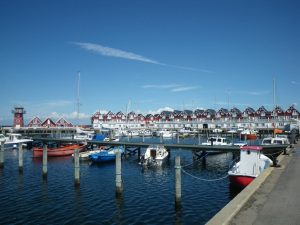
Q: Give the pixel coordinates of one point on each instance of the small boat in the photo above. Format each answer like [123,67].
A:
[249,134]
[165,133]
[105,155]
[111,139]
[2,138]
[216,141]
[85,154]
[154,155]
[13,140]
[64,150]
[252,163]
[277,140]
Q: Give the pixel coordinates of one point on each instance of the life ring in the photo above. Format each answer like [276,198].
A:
[102,147]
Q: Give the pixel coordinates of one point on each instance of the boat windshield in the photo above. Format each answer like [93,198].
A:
[267,141]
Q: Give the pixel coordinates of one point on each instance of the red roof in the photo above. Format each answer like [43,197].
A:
[253,148]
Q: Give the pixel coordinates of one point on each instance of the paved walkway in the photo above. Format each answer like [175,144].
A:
[277,201]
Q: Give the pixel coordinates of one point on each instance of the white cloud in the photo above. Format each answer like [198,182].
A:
[113,52]
[183,88]
[57,103]
[171,87]
[160,110]
[118,53]
[256,93]
[72,115]
[161,86]
[191,69]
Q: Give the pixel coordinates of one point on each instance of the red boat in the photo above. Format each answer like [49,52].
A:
[64,150]
[252,163]
[249,135]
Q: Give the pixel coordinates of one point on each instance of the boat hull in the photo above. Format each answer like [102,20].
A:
[102,157]
[54,152]
[240,180]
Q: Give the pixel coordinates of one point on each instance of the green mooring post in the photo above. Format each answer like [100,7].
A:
[76,168]
[20,158]
[177,182]
[119,186]
[2,155]
[45,161]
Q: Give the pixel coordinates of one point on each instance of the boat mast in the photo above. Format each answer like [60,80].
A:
[274,94]
[127,110]
[78,102]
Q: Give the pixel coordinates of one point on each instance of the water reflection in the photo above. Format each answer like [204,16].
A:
[234,191]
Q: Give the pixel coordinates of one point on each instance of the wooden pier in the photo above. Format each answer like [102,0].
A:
[132,147]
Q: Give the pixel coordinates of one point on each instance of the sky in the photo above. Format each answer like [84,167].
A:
[147,56]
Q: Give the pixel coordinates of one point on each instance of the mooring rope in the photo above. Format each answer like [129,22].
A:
[208,180]
[195,161]
[202,179]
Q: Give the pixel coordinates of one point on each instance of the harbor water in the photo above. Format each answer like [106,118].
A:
[148,196]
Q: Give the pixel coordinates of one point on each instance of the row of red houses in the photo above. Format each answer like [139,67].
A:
[177,116]
[48,123]
[199,114]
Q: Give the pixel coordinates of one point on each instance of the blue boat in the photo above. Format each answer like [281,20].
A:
[105,155]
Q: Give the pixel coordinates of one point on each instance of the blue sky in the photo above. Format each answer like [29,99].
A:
[153,54]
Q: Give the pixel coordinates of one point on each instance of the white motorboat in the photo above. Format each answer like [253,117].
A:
[2,138]
[216,141]
[111,139]
[252,163]
[165,133]
[145,133]
[277,140]
[83,135]
[85,155]
[154,155]
[13,140]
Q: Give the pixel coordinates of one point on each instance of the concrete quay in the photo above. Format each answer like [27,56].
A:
[272,198]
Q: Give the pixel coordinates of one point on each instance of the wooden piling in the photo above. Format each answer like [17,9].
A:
[119,186]
[20,158]
[45,161]
[76,168]
[2,155]
[177,182]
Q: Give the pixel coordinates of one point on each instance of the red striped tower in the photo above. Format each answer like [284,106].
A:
[18,112]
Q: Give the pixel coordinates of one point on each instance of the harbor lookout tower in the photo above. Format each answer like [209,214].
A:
[18,112]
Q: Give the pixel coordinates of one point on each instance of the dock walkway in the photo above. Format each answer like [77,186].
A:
[276,200]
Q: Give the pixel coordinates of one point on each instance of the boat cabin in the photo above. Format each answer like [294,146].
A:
[278,140]
[251,162]
[13,137]
[216,141]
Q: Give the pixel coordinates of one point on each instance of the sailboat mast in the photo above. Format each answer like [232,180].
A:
[274,94]
[78,102]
